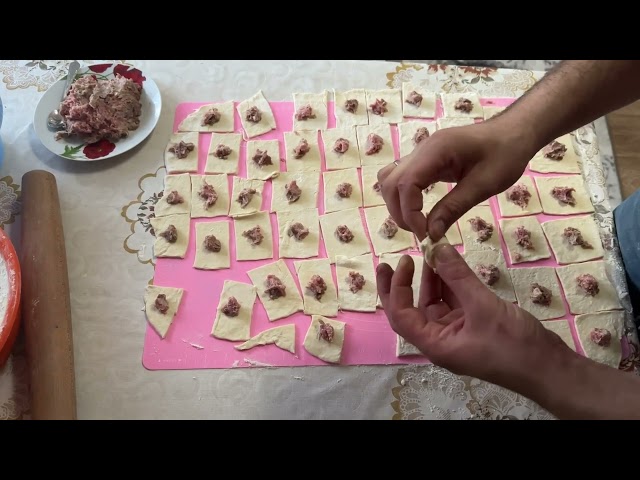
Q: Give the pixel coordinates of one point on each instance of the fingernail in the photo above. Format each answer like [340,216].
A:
[438,229]
[445,253]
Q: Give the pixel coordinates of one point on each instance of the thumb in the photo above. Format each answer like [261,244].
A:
[456,274]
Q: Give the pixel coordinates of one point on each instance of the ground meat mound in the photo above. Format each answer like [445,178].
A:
[588,283]
[245,196]
[489,274]
[564,195]
[253,115]
[292,191]
[301,149]
[254,235]
[421,134]
[540,295]
[305,112]
[341,145]
[574,237]
[344,190]
[262,158]
[298,231]
[170,234]
[211,117]
[464,105]
[317,286]
[161,303]
[414,98]
[389,228]
[325,332]
[275,287]
[344,234]
[174,198]
[208,194]
[232,308]
[482,228]
[601,337]
[554,151]
[379,107]
[519,194]
[374,144]
[355,281]
[351,105]
[101,109]
[212,244]
[523,238]
[181,149]
[222,151]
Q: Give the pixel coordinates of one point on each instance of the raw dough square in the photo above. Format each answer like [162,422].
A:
[393,97]
[220,184]
[318,102]
[565,252]
[289,246]
[272,147]
[503,288]
[569,164]
[181,184]
[386,154]
[402,240]
[351,218]
[452,122]
[369,175]
[280,307]
[449,102]
[348,119]
[363,300]
[406,132]
[551,206]
[227,165]
[283,337]
[348,159]
[329,352]
[162,248]
[238,327]
[579,302]
[612,321]
[328,303]
[522,279]
[510,209]
[162,321]
[310,161]
[244,249]
[491,111]
[239,184]
[266,124]
[470,238]
[405,349]
[540,248]
[309,183]
[562,329]
[433,195]
[206,259]
[189,164]
[331,180]
[193,121]
[427,108]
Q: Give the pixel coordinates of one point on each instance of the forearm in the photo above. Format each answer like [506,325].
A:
[571,95]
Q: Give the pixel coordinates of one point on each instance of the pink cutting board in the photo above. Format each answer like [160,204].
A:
[369,339]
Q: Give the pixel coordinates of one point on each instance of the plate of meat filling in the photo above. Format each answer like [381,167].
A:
[109,109]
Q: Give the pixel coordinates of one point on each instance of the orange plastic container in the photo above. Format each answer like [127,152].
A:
[11,320]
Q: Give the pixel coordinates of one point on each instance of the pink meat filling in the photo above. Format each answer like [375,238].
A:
[601,337]
[341,145]
[275,287]
[574,237]
[232,308]
[564,195]
[301,149]
[414,98]
[589,284]
[356,281]
[519,194]
[379,107]
[305,113]
[523,238]
[482,228]
[489,274]
[374,144]
[540,295]
[554,151]
[317,286]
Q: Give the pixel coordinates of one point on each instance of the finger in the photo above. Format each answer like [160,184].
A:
[385,171]
[430,288]
[383,280]
[450,298]
[437,312]
[389,189]
[458,277]
[401,289]
[410,195]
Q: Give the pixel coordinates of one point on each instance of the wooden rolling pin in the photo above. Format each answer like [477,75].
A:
[46,309]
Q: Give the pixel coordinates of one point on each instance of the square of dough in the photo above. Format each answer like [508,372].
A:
[563,330]
[364,300]
[348,119]
[331,180]
[386,155]
[565,252]
[612,321]
[503,288]
[351,218]
[402,240]
[310,161]
[540,248]
[522,279]
[452,122]
[449,101]
[244,249]
[491,111]
[328,303]
[193,121]
[188,164]
[434,194]
[510,209]
[305,248]
[369,176]
[283,337]
[329,352]
[427,108]
[206,259]
[405,349]
[579,302]
[393,97]
[280,307]
[309,183]
[161,321]
[335,160]
[392,259]
[318,103]
[220,184]
[178,183]
[551,206]
[239,184]
[568,164]
[266,123]
[238,327]
[162,248]
[470,238]
[230,164]
[272,147]
[406,132]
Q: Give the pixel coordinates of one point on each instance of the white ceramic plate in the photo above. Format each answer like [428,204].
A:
[74,149]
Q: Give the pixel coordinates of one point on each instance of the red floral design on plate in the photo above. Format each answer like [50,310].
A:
[101,68]
[99,149]
[134,74]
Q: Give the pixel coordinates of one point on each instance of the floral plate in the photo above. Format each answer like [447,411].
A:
[74,149]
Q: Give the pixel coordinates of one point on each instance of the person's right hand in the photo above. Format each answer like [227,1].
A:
[485,159]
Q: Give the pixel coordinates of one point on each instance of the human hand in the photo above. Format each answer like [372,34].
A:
[485,159]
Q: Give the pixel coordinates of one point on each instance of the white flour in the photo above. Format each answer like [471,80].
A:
[4,292]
